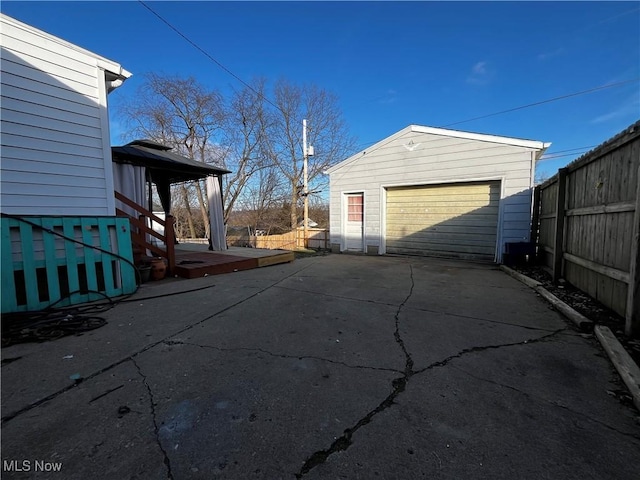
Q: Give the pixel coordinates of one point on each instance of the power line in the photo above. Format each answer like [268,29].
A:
[541,102]
[555,99]
[567,153]
[205,53]
[576,148]
[562,155]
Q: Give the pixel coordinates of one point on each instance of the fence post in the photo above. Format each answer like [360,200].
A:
[632,313]
[558,244]
[535,220]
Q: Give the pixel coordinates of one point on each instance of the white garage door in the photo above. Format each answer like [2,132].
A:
[454,220]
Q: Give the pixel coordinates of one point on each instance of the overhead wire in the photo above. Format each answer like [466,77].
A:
[534,104]
[206,54]
[567,153]
[54,322]
[555,99]
[365,145]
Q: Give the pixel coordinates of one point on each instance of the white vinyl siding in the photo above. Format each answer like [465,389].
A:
[413,157]
[56,158]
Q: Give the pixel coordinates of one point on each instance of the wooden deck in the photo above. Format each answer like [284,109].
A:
[195,260]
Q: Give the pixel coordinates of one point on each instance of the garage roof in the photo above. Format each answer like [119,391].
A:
[516,142]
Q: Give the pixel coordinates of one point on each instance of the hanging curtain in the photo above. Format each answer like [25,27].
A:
[130,180]
[163,187]
[218,239]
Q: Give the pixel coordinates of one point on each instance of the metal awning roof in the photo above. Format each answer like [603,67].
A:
[165,166]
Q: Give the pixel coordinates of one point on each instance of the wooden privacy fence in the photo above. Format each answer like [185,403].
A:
[48,260]
[589,224]
[285,241]
[317,238]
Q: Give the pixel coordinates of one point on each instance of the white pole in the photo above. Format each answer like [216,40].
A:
[306,183]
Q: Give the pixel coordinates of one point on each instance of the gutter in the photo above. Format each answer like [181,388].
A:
[115,79]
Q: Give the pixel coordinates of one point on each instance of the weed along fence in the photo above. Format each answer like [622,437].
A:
[48,260]
[317,238]
[589,224]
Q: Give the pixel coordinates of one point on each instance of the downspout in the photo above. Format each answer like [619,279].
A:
[532,183]
[535,156]
[113,84]
[108,81]
[113,79]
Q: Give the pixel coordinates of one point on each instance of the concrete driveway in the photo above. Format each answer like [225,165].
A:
[331,367]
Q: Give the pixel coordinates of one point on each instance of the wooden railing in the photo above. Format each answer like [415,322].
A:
[140,231]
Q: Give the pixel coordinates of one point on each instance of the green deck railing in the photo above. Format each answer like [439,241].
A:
[64,261]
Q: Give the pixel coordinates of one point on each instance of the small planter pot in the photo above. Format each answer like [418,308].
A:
[145,273]
[158,269]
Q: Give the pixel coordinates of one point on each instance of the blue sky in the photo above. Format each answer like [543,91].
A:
[391,64]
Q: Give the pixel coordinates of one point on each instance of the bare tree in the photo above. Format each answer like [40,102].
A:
[246,130]
[319,211]
[262,202]
[327,133]
[185,115]
[541,177]
[257,139]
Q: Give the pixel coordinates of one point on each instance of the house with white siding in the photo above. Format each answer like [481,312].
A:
[56,151]
[57,184]
[434,192]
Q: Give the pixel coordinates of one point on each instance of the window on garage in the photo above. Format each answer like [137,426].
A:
[356,208]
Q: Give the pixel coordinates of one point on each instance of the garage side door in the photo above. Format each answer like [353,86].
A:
[454,220]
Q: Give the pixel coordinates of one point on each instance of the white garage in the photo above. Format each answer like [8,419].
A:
[434,192]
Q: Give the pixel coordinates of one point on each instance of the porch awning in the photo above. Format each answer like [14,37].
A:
[165,166]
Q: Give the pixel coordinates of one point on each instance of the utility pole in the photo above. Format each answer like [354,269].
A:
[307,152]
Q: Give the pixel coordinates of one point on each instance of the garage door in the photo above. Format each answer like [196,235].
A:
[455,220]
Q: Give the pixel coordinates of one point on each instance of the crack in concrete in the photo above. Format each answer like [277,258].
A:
[344,441]
[156,430]
[281,355]
[549,402]
[37,403]
[466,351]
[488,320]
[417,309]
[111,390]
[340,297]
[399,384]
[408,369]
